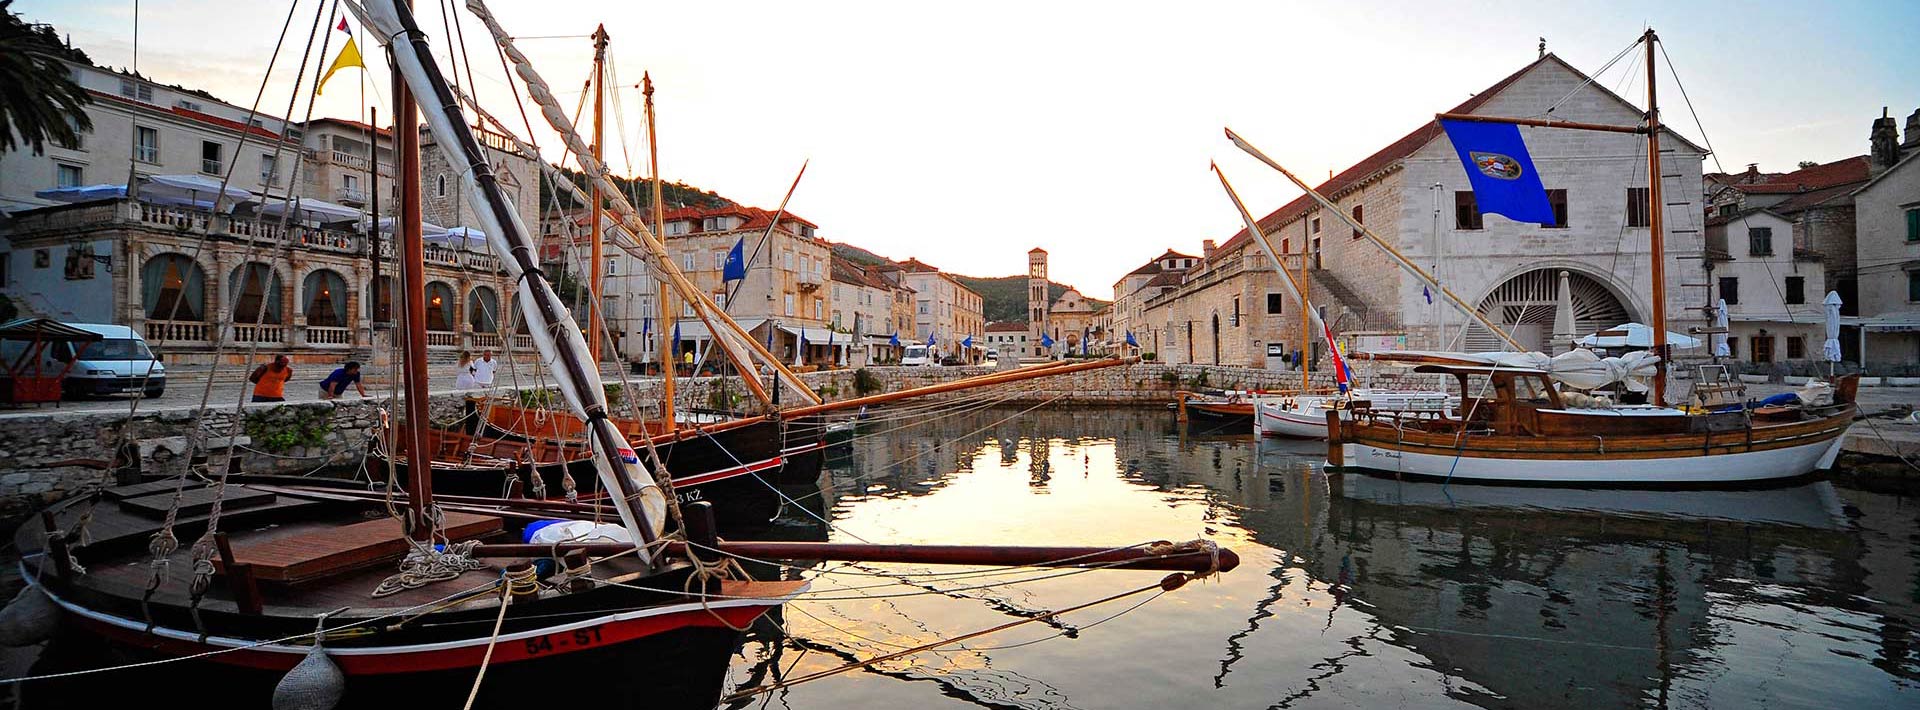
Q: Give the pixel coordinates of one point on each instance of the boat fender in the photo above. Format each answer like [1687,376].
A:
[30,618]
[316,683]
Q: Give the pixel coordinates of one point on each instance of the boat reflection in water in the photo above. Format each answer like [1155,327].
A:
[1377,593]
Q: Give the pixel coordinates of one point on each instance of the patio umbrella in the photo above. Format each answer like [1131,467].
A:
[192,187]
[1720,348]
[1831,348]
[111,191]
[323,210]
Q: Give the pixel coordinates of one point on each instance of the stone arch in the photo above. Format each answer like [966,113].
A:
[323,298]
[441,306]
[1525,301]
[173,286]
[483,310]
[254,294]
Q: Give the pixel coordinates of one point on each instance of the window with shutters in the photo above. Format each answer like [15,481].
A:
[1557,199]
[1913,224]
[1637,208]
[1466,211]
[1760,241]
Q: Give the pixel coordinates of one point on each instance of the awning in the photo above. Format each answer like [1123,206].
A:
[428,229]
[694,329]
[820,336]
[1637,336]
[89,193]
[461,236]
[1902,322]
[324,210]
[44,329]
[198,187]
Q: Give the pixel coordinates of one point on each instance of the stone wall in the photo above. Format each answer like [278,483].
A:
[47,456]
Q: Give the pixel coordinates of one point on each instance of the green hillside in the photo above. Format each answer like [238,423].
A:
[638,191]
[1003,298]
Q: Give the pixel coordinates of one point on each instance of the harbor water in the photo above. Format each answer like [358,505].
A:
[1354,591]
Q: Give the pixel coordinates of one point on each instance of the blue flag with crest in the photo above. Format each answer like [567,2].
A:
[736,266]
[1504,181]
[1130,341]
[895,340]
[1046,341]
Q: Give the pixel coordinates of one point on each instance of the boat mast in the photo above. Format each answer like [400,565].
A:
[1656,247]
[659,212]
[594,328]
[412,261]
[1306,311]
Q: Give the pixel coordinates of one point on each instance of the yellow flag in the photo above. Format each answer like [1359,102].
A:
[349,57]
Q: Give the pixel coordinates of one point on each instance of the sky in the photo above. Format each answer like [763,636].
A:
[964,134]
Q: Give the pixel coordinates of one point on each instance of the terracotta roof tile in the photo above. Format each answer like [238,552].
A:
[192,115]
[1007,327]
[1846,171]
[754,217]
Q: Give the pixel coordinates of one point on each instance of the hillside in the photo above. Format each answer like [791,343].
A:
[1004,298]
[638,191]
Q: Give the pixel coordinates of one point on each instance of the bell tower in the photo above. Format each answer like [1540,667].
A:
[1036,301]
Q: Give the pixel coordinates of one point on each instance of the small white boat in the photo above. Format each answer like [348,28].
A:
[1304,416]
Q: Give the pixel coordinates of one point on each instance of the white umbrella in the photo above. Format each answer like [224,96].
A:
[195,187]
[428,229]
[326,211]
[1637,336]
[1720,348]
[1831,348]
[88,193]
[461,236]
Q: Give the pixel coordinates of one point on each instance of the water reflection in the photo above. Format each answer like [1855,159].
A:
[1354,591]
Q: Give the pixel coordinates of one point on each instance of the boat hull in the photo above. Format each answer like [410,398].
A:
[1790,456]
[1276,420]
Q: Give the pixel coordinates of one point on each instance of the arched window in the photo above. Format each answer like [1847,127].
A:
[324,299]
[255,293]
[440,306]
[483,310]
[173,287]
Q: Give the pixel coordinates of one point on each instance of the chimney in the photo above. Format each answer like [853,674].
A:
[1913,131]
[1206,249]
[1884,143]
[1753,173]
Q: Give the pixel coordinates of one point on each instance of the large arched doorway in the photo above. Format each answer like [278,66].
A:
[1528,307]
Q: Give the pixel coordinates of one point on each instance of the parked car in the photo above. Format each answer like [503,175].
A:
[992,359]
[919,355]
[119,362]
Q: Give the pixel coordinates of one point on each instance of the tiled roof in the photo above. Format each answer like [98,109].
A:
[915,266]
[849,272]
[1170,278]
[192,115]
[754,217]
[1846,171]
[1007,327]
[1814,198]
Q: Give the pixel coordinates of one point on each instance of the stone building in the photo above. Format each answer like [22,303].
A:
[1071,319]
[1009,339]
[1038,301]
[1773,289]
[1415,195]
[1887,236]
[944,309]
[863,306]
[784,298]
[1127,313]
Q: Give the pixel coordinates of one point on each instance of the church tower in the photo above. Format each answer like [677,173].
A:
[1036,300]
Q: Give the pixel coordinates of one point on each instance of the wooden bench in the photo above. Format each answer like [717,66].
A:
[320,553]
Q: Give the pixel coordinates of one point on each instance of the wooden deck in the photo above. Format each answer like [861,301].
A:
[325,552]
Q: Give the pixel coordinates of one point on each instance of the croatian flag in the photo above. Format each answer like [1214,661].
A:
[1341,375]
[1504,181]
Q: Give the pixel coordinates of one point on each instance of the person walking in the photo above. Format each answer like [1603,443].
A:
[463,378]
[336,383]
[483,369]
[270,381]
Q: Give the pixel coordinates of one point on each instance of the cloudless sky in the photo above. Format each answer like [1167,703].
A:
[965,134]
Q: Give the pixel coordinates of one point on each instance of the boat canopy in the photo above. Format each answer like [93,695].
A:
[1578,368]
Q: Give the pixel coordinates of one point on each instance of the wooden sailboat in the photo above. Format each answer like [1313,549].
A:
[1518,421]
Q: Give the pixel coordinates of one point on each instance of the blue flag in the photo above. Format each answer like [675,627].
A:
[929,340]
[736,267]
[968,343]
[1046,341]
[1504,181]
[676,336]
[1086,334]
[803,336]
[1131,341]
[1428,294]
[646,326]
[895,340]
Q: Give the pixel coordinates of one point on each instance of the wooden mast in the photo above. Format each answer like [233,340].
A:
[413,257]
[595,329]
[1306,317]
[668,360]
[1656,247]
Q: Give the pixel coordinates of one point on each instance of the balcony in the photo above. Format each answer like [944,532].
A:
[442,339]
[809,280]
[328,336]
[346,161]
[176,332]
[132,213]
[350,196]
[210,167]
[267,333]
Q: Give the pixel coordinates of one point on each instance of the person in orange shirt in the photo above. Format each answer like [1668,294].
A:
[270,381]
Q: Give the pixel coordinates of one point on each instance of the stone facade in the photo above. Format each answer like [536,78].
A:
[1773,289]
[1887,220]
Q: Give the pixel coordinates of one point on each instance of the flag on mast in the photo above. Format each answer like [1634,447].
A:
[1504,181]
[349,57]
[736,267]
[1341,375]
[1130,341]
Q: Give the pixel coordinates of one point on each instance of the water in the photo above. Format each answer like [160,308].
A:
[1353,591]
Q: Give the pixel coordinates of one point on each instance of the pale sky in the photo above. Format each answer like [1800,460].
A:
[964,134]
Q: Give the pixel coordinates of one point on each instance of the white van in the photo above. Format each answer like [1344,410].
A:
[919,355]
[118,362]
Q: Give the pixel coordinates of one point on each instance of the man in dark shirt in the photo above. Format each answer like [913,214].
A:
[336,384]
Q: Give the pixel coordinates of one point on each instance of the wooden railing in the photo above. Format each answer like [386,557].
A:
[176,332]
[328,335]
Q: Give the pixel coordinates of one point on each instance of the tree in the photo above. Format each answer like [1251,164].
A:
[37,92]
[1804,164]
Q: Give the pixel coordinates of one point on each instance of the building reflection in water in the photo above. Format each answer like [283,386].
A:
[1351,585]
